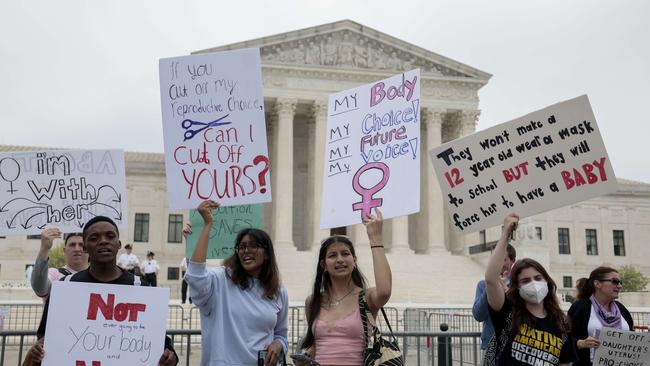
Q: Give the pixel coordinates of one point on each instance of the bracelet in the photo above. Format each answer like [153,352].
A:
[376,246]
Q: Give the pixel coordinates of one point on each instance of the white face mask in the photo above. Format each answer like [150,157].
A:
[534,291]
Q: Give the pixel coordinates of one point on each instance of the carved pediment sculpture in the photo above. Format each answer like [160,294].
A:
[346,49]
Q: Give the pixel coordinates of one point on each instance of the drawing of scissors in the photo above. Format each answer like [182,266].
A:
[187,123]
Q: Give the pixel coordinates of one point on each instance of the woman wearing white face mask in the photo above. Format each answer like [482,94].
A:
[530,328]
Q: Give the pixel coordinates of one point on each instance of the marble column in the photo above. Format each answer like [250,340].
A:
[399,240]
[433,207]
[283,208]
[319,121]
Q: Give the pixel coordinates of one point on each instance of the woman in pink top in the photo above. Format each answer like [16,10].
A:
[335,332]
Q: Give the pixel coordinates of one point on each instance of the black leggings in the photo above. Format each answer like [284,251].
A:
[151,279]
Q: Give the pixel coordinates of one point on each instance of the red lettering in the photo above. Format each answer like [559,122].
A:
[578,177]
[591,177]
[191,183]
[601,168]
[83,363]
[377,94]
[508,176]
[198,181]
[176,156]
[97,303]
[135,309]
[568,182]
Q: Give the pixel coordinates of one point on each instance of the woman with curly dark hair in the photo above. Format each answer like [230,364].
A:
[530,328]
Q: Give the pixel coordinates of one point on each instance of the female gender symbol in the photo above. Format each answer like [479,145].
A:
[7,171]
[367,201]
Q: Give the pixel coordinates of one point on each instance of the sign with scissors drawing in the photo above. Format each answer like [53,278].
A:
[372,154]
[214,129]
[62,188]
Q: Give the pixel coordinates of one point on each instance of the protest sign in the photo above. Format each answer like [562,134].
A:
[622,347]
[544,160]
[214,129]
[62,188]
[101,324]
[372,153]
[228,221]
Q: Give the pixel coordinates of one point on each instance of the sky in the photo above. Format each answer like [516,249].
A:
[84,74]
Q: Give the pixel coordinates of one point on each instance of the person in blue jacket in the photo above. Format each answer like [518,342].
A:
[481,308]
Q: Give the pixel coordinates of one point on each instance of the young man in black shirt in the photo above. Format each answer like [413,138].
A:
[102,242]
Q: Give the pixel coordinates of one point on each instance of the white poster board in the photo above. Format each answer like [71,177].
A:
[214,129]
[372,151]
[61,188]
[544,160]
[621,347]
[112,324]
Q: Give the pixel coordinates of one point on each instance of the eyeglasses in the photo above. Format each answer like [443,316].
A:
[250,246]
[614,281]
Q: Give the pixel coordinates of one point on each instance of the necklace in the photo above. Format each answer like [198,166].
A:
[338,301]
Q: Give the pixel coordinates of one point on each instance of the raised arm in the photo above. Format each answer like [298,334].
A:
[493,286]
[41,284]
[201,284]
[378,296]
[201,250]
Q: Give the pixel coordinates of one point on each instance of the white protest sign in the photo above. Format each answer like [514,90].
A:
[62,188]
[372,151]
[544,160]
[214,129]
[621,347]
[102,324]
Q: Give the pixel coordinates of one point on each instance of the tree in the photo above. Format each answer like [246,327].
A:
[57,258]
[633,280]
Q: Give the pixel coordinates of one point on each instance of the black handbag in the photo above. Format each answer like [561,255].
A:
[384,352]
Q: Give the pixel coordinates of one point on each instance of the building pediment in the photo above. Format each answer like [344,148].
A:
[347,45]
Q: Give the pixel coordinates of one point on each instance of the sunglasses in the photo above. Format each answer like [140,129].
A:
[614,281]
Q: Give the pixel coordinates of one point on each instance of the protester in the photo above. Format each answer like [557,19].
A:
[76,259]
[530,328]
[183,267]
[128,260]
[481,309]
[244,308]
[101,238]
[597,308]
[334,326]
[150,268]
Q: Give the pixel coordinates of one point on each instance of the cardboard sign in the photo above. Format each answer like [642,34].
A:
[372,153]
[105,325]
[63,188]
[214,129]
[621,347]
[544,160]
[228,221]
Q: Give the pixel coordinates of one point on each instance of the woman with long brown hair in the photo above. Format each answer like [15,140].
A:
[597,308]
[335,333]
[529,325]
[244,308]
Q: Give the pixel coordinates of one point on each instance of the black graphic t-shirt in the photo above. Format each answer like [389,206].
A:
[538,344]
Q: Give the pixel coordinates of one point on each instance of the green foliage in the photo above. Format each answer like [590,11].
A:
[633,280]
[569,298]
[57,258]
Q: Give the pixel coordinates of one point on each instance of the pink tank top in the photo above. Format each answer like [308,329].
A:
[339,342]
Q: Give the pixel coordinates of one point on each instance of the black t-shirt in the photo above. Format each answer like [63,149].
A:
[125,278]
[540,343]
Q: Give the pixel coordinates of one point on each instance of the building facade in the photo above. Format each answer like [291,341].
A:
[300,69]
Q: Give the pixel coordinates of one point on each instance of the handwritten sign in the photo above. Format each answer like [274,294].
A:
[547,159]
[63,188]
[214,129]
[228,221]
[372,154]
[621,347]
[105,324]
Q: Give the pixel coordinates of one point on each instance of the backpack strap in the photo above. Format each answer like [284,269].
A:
[64,271]
[363,311]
